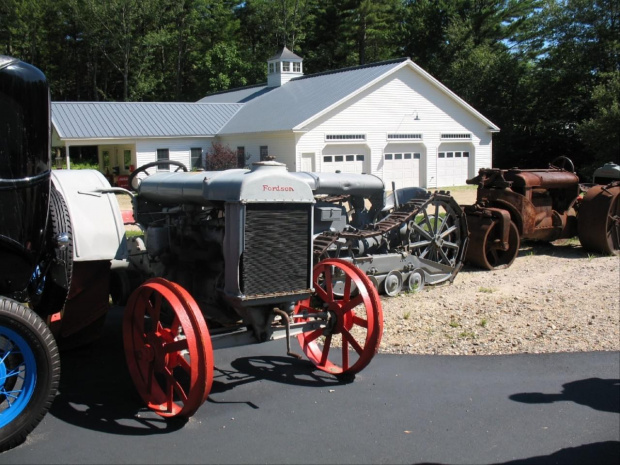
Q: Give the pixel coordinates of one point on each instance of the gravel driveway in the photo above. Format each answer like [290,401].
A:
[553,298]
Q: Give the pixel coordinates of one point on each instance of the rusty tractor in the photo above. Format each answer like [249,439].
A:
[539,205]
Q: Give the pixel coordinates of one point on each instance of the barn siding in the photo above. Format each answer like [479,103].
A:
[280,145]
[179,149]
[391,106]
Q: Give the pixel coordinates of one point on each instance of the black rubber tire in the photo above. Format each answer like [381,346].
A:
[39,338]
[54,296]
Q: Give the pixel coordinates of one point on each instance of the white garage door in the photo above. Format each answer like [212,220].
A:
[351,163]
[401,168]
[452,168]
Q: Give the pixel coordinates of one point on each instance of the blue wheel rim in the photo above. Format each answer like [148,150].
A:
[18,375]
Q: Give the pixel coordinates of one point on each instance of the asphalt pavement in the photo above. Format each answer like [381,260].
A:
[266,407]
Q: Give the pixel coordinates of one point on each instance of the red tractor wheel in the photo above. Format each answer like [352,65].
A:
[168,348]
[354,318]
[598,222]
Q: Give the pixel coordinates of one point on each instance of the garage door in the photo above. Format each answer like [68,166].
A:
[452,168]
[351,163]
[403,169]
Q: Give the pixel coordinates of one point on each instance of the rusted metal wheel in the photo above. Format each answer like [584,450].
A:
[168,348]
[485,245]
[598,223]
[354,319]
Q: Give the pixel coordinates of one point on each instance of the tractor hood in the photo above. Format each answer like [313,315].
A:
[266,182]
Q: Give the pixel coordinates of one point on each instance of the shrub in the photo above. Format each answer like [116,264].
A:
[221,157]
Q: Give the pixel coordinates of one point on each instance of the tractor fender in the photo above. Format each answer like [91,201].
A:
[98,229]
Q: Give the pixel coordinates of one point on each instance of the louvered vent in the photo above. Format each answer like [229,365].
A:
[277,249]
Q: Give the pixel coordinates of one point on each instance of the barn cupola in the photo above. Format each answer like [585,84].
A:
[282,67]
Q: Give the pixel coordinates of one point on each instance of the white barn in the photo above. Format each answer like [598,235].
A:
[391,119]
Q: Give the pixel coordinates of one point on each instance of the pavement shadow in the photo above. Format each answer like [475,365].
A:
[278,369]
[600,453]
[599,394]
[96,391]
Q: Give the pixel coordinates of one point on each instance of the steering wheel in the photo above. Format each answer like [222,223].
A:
[143,169]
[562,162]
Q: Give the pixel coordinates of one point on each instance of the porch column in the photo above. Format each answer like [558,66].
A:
[67,155]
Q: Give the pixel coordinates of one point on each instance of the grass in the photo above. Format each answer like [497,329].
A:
[467,335]
[136,233]
[486,290]
[454,324]
[483,323]
[407,315]
[81,166]
[458,188]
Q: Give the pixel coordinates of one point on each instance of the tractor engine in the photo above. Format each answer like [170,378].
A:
[239,241]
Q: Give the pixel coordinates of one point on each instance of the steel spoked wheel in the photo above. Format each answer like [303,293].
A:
[438,233]
[354,319]
[485,249]
[29,372]
[599,219]
[168,348]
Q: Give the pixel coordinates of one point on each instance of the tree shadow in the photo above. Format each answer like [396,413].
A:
[599,394]
[600,453]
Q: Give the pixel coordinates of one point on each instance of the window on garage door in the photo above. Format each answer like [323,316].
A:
[452,168]
[402,169]
[346,163]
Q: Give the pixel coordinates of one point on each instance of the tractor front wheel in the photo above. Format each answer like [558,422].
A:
[168,348]
[354,319]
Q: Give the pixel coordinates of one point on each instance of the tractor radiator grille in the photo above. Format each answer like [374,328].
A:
[277,251]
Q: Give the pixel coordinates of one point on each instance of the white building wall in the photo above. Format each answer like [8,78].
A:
[279,145]
[405,103]
[178,149]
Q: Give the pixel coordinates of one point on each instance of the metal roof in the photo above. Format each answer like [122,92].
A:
[100,120]
[239,95]
[284,54]
[302,98]
[246,110]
